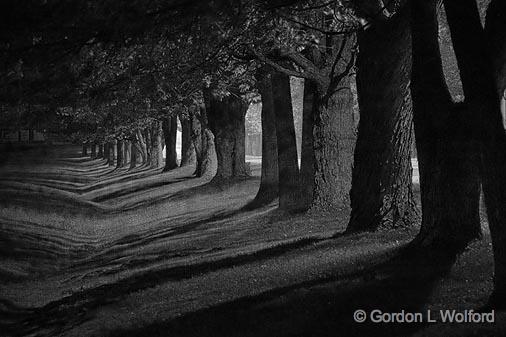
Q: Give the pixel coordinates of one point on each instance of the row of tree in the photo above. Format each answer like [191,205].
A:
[126,73]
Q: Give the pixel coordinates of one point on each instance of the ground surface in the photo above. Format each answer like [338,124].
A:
[89,250]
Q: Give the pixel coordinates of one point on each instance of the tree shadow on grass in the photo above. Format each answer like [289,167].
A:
[322,307]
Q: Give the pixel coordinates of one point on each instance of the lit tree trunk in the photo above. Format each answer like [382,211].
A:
[156,154]
[142,146]
[119,153]
[203,142]
[170,133]
[187,148]
[288,167]
[381,193]
[334,141]
[447,153]
[269,180]
[227,123]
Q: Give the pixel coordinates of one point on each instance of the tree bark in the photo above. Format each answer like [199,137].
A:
[170,133]
[269,181]
[142,147]
[481,56]
[288,167]
[333,145]
[187,148]
[156,153]
[203,142]
[447,158]
[381,193]
[307,165]
[227,123]
[494,147]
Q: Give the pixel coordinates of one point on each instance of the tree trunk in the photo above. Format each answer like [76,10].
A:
[187,148]
[381,193]
[84,151]
[119,153]
[100,153]
[170,134]
[288,166]
[93,148]
[133,154]
[203,142]
[494,148]
[447,157]
[127,158]
[114,152]
[142,147]
[107,153]
[227,123]
[156,153]
[307,152]
[269,180]
[481,56]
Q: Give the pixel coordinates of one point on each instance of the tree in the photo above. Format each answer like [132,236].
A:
[170,132]
[269,181]
[226,120]
[381,193]
[447,152]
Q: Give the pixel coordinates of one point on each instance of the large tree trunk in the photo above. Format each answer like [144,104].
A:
[227,123]
[187,148]
[170,133]
[156,153]
[288,167]
[482,63]
[307,152]
[447,156]
[269,180]
[203,142]
[381,193]
[333,145]
[494,148]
